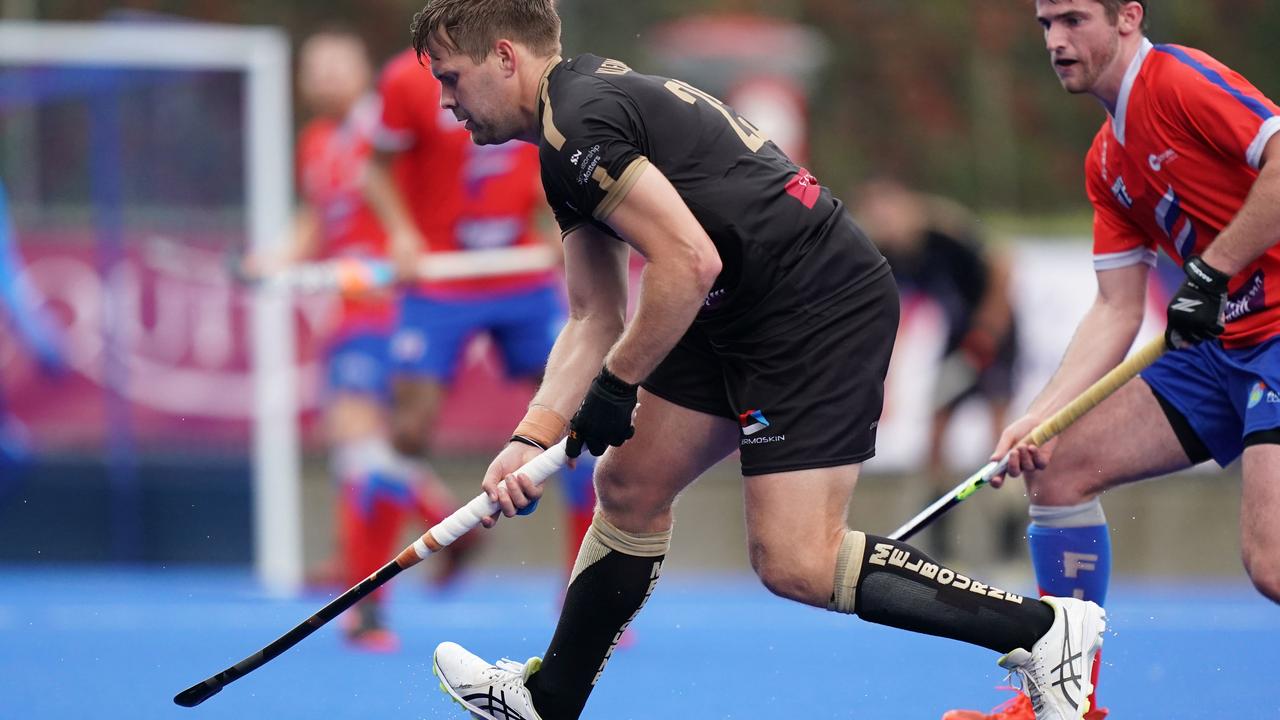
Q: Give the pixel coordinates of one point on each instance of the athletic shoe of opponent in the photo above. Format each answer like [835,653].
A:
[365,630]
[1017,707]
[495,692]
[1055,674]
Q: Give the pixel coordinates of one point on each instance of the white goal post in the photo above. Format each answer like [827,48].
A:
[263,55]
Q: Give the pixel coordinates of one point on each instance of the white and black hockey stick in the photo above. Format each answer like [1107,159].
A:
[360,275]
[1045,431]
[432,541]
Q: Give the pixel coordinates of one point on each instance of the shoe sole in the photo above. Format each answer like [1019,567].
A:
[1095,627]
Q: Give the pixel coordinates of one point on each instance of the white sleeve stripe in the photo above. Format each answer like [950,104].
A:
[1113,261]
[1269,128]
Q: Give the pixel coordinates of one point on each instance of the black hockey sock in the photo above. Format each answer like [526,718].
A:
[901,587]
[613,576]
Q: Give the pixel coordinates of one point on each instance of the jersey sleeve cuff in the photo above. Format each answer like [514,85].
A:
[616,190]
[1113,261]
[1259,144]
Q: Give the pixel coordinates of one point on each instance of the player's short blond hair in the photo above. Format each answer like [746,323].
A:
[1113,9]
[473,26]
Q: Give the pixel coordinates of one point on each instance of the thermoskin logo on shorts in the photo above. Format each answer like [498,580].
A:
[752,422]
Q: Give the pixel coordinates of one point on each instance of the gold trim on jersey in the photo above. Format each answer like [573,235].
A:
[613,67]
[549,129]
[616,190]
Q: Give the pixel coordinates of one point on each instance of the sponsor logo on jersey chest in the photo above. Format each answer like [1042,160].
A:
[1158,161]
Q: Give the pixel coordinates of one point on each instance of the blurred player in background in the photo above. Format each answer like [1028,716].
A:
[21,306]
[438,192]
[764,324]
[1187,161]
[377,487]
[936,250]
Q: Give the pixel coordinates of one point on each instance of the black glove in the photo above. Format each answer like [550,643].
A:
[1198,309]
[604,418]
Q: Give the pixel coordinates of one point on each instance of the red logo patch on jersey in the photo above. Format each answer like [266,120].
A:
[804,187]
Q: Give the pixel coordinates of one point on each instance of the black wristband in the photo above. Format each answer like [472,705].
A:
[613,383]
[1205,275]
[527,441]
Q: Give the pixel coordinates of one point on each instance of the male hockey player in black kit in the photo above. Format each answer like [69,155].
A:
[765,323]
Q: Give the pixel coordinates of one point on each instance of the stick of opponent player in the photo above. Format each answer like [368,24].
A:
[1044,432]
[353,276]
[432,541]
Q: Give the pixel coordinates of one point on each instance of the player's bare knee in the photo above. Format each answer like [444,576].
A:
[1264,572]
[801,576]
[1070,483]
[626,498]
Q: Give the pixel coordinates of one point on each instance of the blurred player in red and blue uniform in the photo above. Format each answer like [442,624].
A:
[437,192]
[1186,162]
[377,487]
[35,331]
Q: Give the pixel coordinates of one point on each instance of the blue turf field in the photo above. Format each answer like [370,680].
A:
[107,643]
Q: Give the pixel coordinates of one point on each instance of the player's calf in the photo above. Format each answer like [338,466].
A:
[1050,644]
[615,573]
[891,583]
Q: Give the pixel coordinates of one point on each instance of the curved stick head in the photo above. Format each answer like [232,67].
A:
[198,693]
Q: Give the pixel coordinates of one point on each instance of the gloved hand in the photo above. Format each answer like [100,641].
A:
[604,418]
[1198,309]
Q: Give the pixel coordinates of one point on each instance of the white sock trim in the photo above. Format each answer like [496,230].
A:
[1086,514]
[848,569]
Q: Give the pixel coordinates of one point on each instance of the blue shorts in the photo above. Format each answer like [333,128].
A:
[1225,395]
[360,364]
[433,332]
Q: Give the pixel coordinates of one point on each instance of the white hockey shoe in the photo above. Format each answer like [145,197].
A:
[487,691]
[1057,673]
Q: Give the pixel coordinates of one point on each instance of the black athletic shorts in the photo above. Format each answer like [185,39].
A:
[806,386]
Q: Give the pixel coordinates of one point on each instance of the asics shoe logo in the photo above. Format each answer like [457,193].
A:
[1067,670]
[493,705]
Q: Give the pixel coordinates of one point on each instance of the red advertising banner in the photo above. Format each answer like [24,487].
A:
[158,339]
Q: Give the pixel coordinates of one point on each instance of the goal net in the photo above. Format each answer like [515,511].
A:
[149,405]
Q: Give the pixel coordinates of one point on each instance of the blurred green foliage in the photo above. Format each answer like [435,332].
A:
[955,96]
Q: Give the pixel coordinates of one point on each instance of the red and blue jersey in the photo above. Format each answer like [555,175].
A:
[1172,167]
[332,156]
[461,196]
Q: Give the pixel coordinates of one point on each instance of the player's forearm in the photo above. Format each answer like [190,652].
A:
[995,313]
[1103,337]
[382,195]
[671,294]
[1255,229]
[575,359]
[305,243]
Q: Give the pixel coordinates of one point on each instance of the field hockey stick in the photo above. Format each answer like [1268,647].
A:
[353,276]
[440,536]
[1043,433]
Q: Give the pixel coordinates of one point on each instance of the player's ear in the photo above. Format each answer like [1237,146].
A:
[505,51]
[1131,16]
